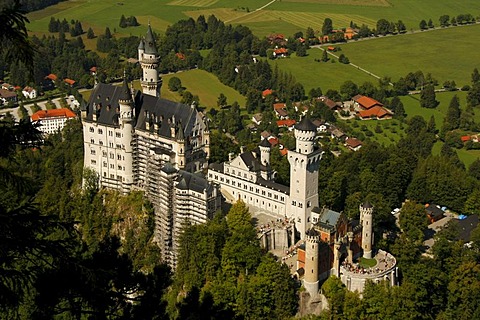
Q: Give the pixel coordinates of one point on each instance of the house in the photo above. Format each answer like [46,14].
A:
[321,126]
[280,110]
[280,53]
[257,118]
[336,133]
[465,138]
[332,105]
[29,92]
[365,103]
[7,96]
[70,82]
[51,77]
[266,92]
[7,86]
[265,135]
[93,71]
[284,152]
[277,38]
[353,144]
[287,123]
[434,212]
[52,121]
[375,112]
[273,141]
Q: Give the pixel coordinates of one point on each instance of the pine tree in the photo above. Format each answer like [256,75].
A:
[454,113]
[53,25]
[324,56]
[108,34]
[123,22]
[90,33]
[427,97]
[475,76]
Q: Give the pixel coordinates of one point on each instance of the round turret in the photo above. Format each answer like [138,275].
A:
[366,219]
[312,241]
[265,152]
[305,132]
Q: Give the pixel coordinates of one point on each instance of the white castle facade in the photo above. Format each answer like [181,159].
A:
[137,140]
[249,177]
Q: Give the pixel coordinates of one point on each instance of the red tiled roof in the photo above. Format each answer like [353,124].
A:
[267,92]
[28,89]
[284,151]
[93,69]
[69,81]
[282,112]
[51,76]
[465,138]
[367,102]
[273,141]
[281,51]
[7,94]
[329,103]
[180,56]
[286,123]
[60,113]
[377,111]
[353,142]
[277,106]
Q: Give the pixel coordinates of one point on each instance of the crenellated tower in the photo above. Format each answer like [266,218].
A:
[149,60]
[304,164]
[265,148]
[125,102]
[366,219]
[312,242]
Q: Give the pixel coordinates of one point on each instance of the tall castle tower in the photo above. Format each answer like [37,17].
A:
[125,102]
[265,147]
[304,163]
[366,218]
[149,59]
[310,282]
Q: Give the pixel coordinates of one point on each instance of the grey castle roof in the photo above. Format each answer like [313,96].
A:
[125,91]
[367,205]
[265,143]
[329,217]
[150,46]
[169,168]
[312,232]
[141,46]
[192,181]
[305,125]
[104,101]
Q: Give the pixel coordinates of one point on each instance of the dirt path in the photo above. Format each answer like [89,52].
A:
[249,13]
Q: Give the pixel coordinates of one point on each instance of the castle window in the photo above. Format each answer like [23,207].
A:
[118,134]
[282,198]
[91,129]
[112,176]
[93,161]
[119,146]
[92,141]
[112,166]
[119,157]
[104,174]
[263,192]
[104,164]
[92,151]
[309,204]
[312,257]
[104,153]
[110,133]
[100,142]
[300,205]
[100,131]
[112,156]
[269,194]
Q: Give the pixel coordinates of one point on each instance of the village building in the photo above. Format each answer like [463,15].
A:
[368,108]
[7,96]
[353,144]
[139,141]
[52,121]
[29,92]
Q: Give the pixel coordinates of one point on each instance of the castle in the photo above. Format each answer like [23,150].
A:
[249,177]
[329,242]
[139,141]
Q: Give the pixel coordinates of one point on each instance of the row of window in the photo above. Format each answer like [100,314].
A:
[110,132]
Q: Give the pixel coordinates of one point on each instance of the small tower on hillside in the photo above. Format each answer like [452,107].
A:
[149,59]
[366,217]
[310,281]
[265,147]
[206,140]
[125,102]
[304,164]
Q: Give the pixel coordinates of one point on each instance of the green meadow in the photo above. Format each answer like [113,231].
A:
[448,54]
[326,75]
[282,16]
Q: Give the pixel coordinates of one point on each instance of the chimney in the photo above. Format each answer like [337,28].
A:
[230,156]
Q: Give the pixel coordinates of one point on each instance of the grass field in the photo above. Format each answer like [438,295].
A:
[445,53]
[284,13]
[326,75]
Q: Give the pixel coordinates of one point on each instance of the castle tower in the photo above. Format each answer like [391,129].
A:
[206,140]
[304,163]
[181,147]
[265,147]
[310,281]
[149,59]
[336,257]
[125,102]
[366,214]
